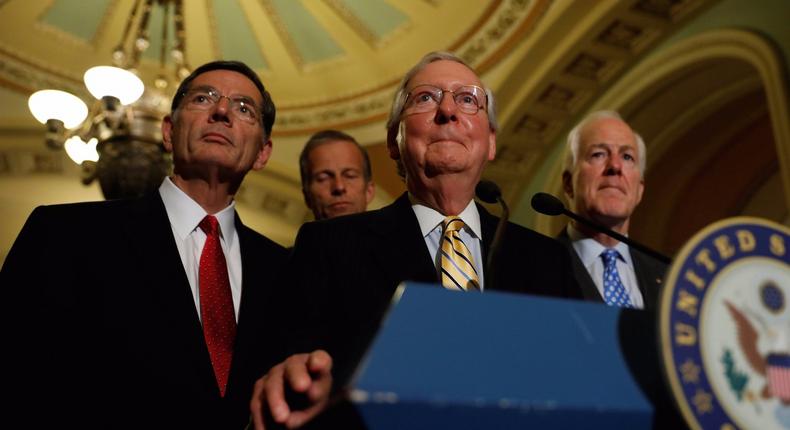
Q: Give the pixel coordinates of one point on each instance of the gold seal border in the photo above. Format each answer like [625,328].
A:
[665,307]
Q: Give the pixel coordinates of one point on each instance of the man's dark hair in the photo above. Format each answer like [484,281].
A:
[321,138]
[268,110]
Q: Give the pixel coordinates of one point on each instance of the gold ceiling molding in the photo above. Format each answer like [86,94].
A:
[732,44]
[346,114]
[359,27]
[25,78]
[500,27]
[213,29]
[282,31]
[513,21]
[611,43]
[267,199]
[24,161]
[685,56]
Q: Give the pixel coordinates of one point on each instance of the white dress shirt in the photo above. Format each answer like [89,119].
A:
[589,252]
[185,215]
[431,228]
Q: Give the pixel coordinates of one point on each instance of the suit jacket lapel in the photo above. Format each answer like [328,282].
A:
[151,237]
[648,276]
[398,244]
[253,286]
[488,225]
[589,290]
[250,277]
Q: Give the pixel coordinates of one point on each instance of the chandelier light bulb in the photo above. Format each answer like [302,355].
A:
[113,81]
[177,55]
[59,105]
[80,151]
[118,56]
[160,82]
[142,43]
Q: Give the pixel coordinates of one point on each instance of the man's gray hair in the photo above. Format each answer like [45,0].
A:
[400,95]
[574,138]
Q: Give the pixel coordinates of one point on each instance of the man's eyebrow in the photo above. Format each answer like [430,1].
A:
[245,99]
[242,97]
[202,88]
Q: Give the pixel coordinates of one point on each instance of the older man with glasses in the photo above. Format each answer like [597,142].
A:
[442,132]
[145,313]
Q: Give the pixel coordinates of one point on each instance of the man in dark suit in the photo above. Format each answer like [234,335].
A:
[145,313]
[442,132]
[603,179]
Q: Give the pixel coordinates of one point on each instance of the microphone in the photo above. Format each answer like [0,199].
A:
[548,204]
[489,192]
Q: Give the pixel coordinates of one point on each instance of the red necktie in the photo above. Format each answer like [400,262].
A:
[216,303]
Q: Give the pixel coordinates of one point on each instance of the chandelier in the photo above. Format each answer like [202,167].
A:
[118,140]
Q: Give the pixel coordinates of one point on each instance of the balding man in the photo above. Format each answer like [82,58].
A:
[441,132]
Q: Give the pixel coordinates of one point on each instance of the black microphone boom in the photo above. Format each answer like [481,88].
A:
[552,206]
[489,192]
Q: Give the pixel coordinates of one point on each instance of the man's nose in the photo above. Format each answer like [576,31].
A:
[338,186]
[221,110]
[614,165]
[447,110]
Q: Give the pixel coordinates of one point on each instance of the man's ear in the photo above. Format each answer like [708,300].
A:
[263,155]
[394,137]
[167,133]
[370,192]
[567,184]
[639,191]
[492,145]
[307,200]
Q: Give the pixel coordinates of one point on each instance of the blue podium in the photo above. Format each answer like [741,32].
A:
[445,359]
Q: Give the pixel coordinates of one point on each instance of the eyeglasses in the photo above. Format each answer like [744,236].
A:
[427,98]
[205,98]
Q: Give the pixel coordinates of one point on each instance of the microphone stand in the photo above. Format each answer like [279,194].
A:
[500,230]
[539,198]
[489,192]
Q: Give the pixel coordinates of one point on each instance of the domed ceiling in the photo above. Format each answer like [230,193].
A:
[326,62]
[335,64]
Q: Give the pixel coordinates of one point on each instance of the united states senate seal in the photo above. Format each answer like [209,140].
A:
[725,326]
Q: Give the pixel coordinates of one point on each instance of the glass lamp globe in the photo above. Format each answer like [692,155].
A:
[60,105]
[113,81]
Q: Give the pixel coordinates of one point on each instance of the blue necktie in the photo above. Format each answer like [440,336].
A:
[614,293]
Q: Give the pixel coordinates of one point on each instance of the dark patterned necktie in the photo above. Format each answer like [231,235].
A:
[216,303]
[457,265]
[613,289]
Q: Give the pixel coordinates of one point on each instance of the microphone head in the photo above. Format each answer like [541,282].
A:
[488,191]
[547,204]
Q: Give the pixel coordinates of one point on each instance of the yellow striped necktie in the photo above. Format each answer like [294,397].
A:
[457,265]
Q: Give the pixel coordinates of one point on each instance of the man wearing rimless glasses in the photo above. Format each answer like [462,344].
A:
[343,272]
[144,313]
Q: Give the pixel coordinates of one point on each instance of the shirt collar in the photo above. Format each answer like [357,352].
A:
[185,214]
[590,250]
[430,218]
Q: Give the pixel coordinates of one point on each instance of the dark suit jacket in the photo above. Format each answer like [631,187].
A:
[649,274]
[106,330]
[346,270]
